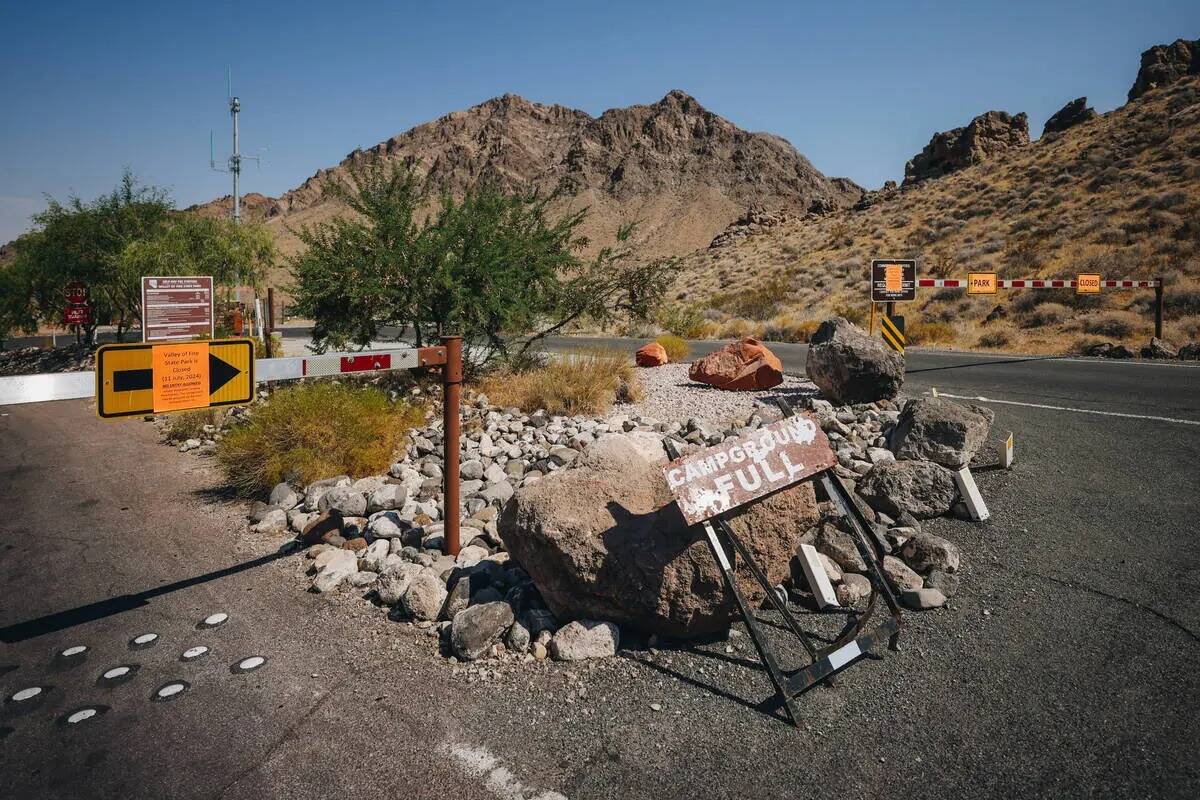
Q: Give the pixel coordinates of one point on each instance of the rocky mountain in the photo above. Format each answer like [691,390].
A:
[1073,113]
[680,169]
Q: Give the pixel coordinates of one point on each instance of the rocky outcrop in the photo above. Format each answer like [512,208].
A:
[739,366]
[985,136]
[1160,348]
[651,355]
[606,542]
[940,430]
[755,221]
[848,366]
[1166,63]
[1073,113]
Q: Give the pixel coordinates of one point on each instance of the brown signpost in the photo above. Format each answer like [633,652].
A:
[739,470]
[893,280]
[177,308]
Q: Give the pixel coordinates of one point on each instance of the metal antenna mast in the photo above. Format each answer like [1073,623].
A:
[235,160]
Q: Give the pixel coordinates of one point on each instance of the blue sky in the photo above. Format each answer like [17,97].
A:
[88,88]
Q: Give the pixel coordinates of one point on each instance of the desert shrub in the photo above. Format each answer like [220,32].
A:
[757,302]
[1114,324]
[313,431]
[737,329]
[190,424]
[1046,314]
[922,332]
[584,383]
[786,328]
[855,312]
[1181,302]
[677,349]
[686,320]
[994,339]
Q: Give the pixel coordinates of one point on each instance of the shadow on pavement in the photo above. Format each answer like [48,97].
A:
[62,620]
[984,364]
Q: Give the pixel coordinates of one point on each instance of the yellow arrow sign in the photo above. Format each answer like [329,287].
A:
[137,379]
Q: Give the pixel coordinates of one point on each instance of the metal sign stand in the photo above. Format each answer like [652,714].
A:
[825,662]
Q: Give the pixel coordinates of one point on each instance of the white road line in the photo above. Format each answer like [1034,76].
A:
[499,780]
[982,399]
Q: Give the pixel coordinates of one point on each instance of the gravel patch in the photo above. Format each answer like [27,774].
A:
[671,396]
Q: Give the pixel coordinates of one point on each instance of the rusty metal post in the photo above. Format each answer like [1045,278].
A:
[1158,307]
[452,375]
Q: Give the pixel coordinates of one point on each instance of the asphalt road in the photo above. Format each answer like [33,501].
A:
[1064,667]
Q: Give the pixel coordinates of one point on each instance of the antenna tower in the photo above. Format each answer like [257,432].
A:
[234,164]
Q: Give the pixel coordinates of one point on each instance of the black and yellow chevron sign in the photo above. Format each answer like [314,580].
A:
[893,333]
[137,379]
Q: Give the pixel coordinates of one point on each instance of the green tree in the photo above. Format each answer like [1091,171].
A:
[16,307]
[109,243]
[492,266]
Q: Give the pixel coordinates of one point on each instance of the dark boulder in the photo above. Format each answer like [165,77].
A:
[940,430]
[848,366]
[921,488]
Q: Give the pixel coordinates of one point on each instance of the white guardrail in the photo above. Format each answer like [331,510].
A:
[44,387]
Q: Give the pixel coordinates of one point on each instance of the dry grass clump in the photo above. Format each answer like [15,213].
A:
[1113,324]
[677,349]
[787,328]
[585,383]
[190,424]
[313,431]
[920,332]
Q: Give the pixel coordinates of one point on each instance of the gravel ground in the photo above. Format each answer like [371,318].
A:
[33,360]
[671,396]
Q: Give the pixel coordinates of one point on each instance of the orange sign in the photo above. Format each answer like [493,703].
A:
[981,283]
[893,277]
[1087,284]
[180,376]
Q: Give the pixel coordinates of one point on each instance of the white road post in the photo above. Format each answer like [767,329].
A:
[970,495]
[818,581]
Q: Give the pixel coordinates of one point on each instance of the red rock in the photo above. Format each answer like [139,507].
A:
[651,355]
[739,366]
[329,522]
[359,543]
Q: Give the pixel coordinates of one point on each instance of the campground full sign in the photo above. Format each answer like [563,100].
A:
[136,379]
[745,468]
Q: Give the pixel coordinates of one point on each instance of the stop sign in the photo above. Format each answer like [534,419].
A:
[77,293]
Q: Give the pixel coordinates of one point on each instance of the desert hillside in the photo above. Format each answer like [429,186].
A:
[681,170]
[1117,194]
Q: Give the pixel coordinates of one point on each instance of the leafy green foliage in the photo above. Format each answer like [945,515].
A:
[491,266]
[109,243]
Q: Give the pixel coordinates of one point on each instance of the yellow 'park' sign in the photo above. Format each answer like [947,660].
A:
[137,379]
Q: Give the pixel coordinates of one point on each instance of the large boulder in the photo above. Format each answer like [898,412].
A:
[477,628]
[921,488]
[848,366]
[1073,113]
[651,355]
[1166,63]
[988,134]
[1159,348]
[940,430]
[739,366]
[605,541]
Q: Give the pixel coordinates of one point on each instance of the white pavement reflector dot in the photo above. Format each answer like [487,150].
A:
[116,672]
[194,652]
[213,620]
[143,640]
[73,651]
[169,691]
[26,694]
[249,664]
[81,715]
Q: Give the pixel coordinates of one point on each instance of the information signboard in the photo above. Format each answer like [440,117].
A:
[1087,283]
[893,280]
[745,468]
[176,308]
[136,379]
